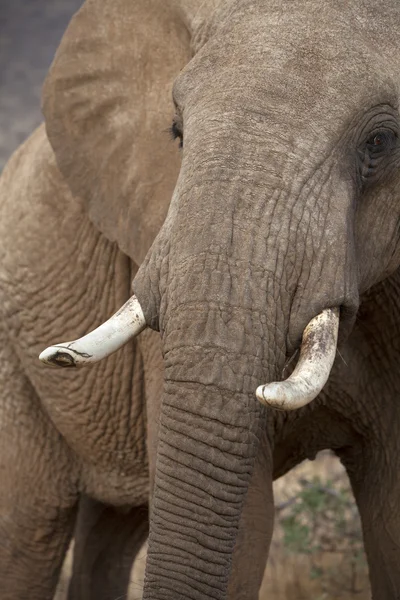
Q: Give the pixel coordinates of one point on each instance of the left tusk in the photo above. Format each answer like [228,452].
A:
[126,324]
[317,354]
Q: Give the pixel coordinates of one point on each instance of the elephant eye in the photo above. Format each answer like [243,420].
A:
[381,142]
[176,133]
[374,154]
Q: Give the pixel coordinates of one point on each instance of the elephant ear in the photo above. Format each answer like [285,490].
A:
[107,104]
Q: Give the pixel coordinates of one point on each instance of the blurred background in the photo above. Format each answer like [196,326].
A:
[30,31]
[317,551]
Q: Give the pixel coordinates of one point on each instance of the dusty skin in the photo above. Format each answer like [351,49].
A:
[282,203]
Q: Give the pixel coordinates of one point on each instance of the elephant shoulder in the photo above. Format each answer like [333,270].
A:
[37,208]
[31,182]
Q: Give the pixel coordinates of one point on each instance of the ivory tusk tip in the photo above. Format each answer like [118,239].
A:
[56,356]
[123,326]
[260,392]
[268,395]
[317,355]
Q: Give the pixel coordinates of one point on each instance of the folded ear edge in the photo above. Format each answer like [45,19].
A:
[107,104]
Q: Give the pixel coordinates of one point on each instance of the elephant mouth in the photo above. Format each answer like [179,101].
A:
[317,354]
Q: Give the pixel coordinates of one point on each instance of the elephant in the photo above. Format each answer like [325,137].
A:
[66,450]
[263,257]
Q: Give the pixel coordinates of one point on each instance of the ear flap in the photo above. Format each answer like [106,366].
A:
[107,103]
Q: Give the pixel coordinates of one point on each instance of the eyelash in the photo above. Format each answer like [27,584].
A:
[176,133]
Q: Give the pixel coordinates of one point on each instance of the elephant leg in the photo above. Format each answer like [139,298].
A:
[37,496]
[107,541]
[376,486]
[255,532]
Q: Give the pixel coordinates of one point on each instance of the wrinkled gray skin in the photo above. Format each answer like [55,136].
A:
[284,206]
[70,433]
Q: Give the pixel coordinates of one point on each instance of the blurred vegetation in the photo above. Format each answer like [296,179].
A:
[321,521]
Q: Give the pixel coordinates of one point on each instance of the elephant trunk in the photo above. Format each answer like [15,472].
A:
[209,432]
[208,439]
[221,338]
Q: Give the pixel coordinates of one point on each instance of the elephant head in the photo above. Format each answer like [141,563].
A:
[284,211]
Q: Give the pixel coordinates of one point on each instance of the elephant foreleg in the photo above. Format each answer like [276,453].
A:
[374,475]
[37,495]
[107,541]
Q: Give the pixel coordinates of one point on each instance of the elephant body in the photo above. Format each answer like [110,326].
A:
[61,440]
[56,431]
[284,204]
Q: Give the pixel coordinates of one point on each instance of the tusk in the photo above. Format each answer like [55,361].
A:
[317,353]
[127,323]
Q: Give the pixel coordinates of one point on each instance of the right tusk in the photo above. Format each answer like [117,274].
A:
[126,324]
[317,354]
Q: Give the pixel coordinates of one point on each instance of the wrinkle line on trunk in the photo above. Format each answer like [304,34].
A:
[190,493]
[196,436]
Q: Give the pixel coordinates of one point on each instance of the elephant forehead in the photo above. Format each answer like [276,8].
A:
[311,56]
[326,25]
